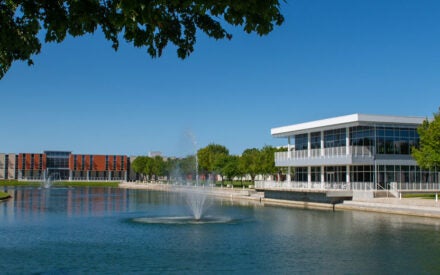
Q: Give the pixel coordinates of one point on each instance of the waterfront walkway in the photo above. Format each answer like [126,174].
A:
[404,206]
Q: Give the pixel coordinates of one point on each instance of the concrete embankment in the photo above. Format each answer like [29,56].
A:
[238,193]
[411,207]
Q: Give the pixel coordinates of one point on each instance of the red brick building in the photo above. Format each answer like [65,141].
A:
[67,166]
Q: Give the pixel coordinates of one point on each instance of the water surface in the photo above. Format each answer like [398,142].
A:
[97,230]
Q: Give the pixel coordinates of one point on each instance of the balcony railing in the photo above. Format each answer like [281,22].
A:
[332,152]
[364,186]
[295,185]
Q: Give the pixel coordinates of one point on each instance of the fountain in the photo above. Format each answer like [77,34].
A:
[196,199]
[195,196]
[48,180]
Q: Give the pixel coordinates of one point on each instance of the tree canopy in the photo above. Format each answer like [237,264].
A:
[211,157]
[150,24]
[250,162]
[428,154]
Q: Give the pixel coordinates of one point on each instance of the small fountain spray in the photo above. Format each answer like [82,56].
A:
[196,199]
[46,182]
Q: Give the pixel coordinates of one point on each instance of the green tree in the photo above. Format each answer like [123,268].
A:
[428,153]
[250,162]
[157,167]
[150,24]
[231,168]
[138,165]
[267,160]
[148,168]
[188,165]
[211,157]
[170,168]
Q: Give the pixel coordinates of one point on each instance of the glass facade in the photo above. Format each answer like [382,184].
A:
[301,142]
[334,138]
[300,174]
[362,173]
[387,139]
[316,174]
[376,140]
[57,160]
[362,136]
[315,140]
[396,140]
[335,174]
[57,163]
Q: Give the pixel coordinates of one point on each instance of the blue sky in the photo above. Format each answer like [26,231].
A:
[329,58]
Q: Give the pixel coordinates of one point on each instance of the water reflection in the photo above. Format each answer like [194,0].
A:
[37,202]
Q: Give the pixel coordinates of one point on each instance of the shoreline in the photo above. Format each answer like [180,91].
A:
[408,207]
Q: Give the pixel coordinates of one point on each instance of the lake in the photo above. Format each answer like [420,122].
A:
[103,230]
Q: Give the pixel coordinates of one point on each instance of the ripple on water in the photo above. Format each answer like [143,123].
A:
[183,220]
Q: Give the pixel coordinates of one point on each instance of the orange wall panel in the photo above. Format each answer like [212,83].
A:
[99,163]
[87,163]
[28,162]
[71,162]
[110,163]
[36,162]
[44,162]
[118,163]
[20,161]
[79,162]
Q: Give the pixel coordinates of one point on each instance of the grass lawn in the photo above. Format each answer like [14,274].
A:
[421,196]
[3,195]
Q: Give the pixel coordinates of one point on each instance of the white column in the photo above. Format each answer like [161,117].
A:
[309,145]
[125,175]
[347,141]
[348,177]
[109,175]
[309,177]
[288,178]
[322,143]
[70,175]
[322,177]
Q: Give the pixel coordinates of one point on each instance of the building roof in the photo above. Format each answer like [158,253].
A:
[344,121]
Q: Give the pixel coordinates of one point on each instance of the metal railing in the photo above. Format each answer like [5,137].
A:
[332,152]
[364,186]
[291,185]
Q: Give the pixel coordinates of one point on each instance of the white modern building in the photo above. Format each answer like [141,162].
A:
[353,152]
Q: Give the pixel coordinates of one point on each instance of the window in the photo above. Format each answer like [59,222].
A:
[335,174]
[316,174]
[301,174]
[301,142]
[315,140]
[395,140]
[362,136]
[334,138]
[362,173]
